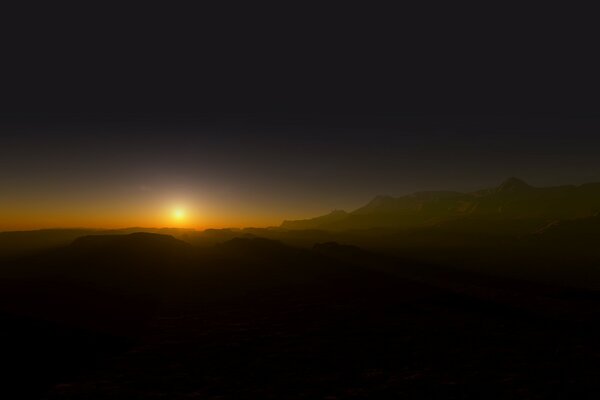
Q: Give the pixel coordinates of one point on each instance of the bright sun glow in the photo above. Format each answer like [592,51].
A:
[178,214]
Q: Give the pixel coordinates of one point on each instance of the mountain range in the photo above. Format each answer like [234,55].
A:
[512,200]
[442,290]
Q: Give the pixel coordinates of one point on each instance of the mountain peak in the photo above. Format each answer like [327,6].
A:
[513,185]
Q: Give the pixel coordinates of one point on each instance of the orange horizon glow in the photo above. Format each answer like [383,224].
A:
[118,215]
[184,211]
[62,223]
[181,219]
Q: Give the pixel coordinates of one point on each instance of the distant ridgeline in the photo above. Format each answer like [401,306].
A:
[512,200]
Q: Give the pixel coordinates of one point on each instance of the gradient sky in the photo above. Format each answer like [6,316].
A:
[115,117]
[241,170]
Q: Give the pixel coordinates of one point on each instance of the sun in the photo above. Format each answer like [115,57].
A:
[179,214]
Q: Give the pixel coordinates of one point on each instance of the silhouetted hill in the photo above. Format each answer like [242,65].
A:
[137,315]
[22,242]
[70,308]
[140,243]
[513,199]
[345,251]
[17,243]
[244,246]
[243,264]
[109,283]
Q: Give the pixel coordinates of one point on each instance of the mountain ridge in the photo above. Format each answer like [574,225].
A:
[512,199]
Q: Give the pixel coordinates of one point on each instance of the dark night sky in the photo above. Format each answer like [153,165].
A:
[111,117]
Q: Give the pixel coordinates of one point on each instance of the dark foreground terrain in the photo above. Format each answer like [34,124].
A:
[148,316]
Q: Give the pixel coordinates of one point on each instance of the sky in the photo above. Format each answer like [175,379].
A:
[115,118]
[246,171]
